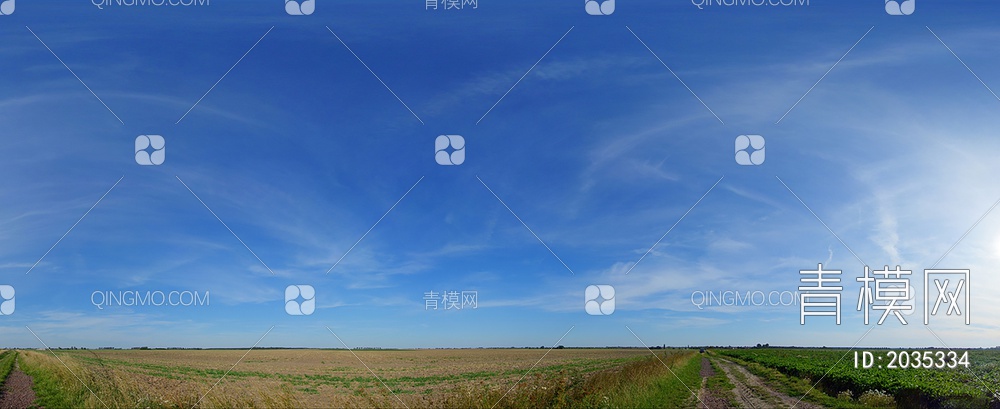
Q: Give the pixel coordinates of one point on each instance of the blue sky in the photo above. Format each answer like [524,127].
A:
[599,150]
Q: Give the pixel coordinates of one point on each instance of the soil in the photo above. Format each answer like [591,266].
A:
[708,399]
[752,392]
[17,392]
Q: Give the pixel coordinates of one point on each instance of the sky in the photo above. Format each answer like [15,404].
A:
[599,150]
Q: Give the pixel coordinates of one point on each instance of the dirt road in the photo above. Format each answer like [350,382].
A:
[752,392]
[707,398]
[748,389]
[17,392]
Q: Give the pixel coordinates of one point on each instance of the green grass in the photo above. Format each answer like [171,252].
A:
[643,382]
[7,359]
[759,390]
[50,385]
[719,385]
[665,390]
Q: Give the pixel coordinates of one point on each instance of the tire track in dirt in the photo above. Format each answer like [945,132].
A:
[17,392]
[752,392]
[707,399]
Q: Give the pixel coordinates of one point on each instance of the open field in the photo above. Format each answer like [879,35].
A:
[336,378]
[488,378]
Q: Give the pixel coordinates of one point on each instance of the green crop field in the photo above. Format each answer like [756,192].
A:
[975,386]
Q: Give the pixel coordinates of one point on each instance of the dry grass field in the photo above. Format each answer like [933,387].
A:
[336,378]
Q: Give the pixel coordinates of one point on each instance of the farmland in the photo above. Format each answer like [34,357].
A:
[975,386]
[487,378]
[336,378]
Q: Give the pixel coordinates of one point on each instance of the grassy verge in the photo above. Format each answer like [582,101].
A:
[54,386]
[720,386]
[655,386]
[6,364]
[641,383]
